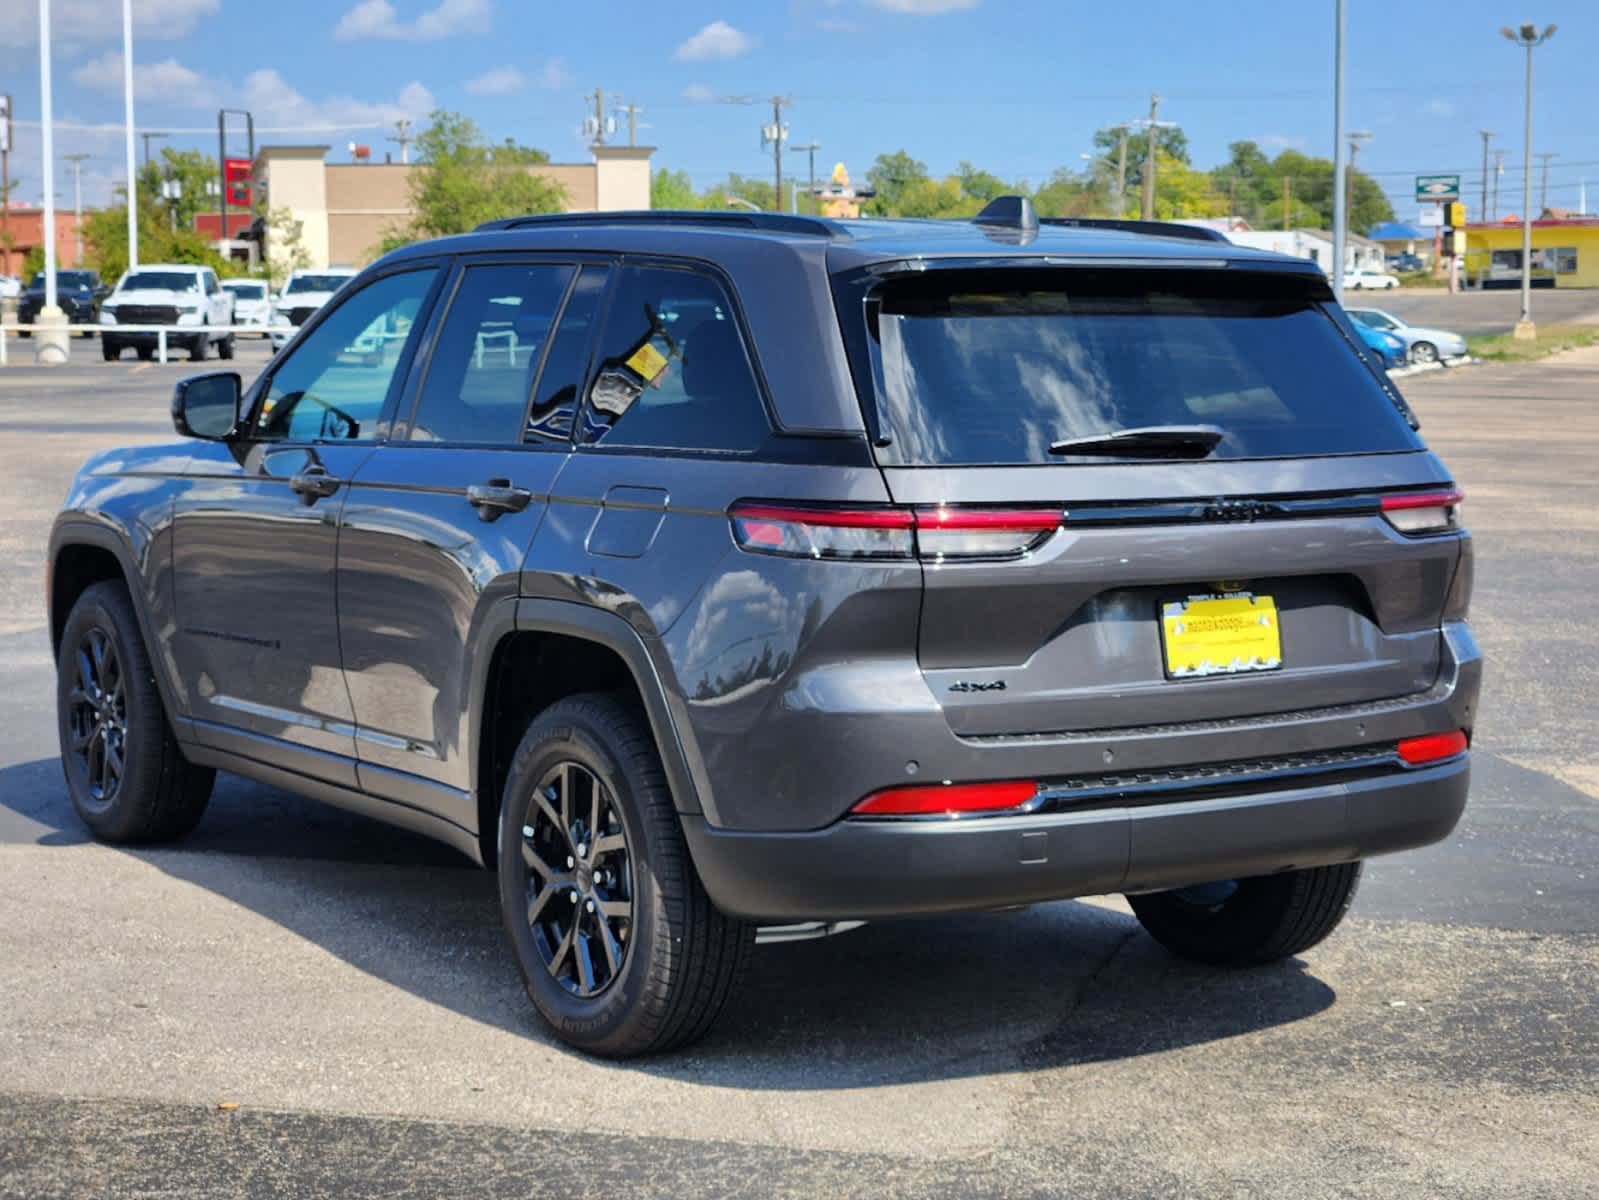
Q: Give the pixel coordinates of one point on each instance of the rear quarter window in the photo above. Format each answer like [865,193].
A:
[993,367]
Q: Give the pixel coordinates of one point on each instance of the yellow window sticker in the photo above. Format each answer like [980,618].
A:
[648,362]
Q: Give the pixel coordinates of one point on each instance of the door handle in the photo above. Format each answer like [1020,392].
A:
[497,496]
[313,483]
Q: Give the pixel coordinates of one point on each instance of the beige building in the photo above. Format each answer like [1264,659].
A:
[344,209]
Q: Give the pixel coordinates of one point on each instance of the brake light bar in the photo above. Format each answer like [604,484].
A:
[1432,747]
[944,799]
[935,533]
[1422,512]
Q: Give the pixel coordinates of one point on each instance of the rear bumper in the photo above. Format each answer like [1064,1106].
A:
[874,869]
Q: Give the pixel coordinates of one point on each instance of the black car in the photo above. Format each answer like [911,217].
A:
[78,294]
[712,571]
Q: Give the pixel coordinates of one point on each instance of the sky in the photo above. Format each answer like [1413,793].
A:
[1014,86]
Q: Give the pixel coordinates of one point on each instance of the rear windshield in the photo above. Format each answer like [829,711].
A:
[161,281]
[247,291]
[994,367]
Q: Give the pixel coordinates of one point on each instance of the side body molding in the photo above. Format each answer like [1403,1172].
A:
[656,684]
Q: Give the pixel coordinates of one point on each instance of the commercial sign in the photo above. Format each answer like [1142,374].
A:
[5,124]
[236,173]
[1437,187]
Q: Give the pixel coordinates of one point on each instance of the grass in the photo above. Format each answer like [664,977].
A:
[1551,339]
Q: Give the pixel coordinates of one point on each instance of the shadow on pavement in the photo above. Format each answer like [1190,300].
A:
[894,1003]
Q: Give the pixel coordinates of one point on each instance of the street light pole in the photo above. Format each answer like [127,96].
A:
[77,205]
[1528,37]
[127,105]
[1340,213]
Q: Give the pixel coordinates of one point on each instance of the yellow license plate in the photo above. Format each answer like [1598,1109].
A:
[1221,635]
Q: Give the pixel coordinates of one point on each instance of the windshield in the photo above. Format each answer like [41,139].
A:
[160,281]
[995,367]
[316,283]
[66,279]
[247,291]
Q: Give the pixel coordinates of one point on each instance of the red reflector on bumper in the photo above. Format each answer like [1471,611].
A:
[1432,747]
[933,799]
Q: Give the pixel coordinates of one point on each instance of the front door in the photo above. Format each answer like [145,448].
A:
[255,534]
[440,518]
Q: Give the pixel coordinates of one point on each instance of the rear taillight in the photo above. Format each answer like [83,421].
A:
[951,799]
[935,534]
[1432,747]
[1422,512]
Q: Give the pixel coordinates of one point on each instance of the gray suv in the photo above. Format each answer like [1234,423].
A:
[707,572]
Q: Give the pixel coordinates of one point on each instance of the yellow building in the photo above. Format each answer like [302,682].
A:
[1565,252]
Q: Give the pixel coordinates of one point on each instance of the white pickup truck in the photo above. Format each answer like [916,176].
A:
[302,295]
[186,298]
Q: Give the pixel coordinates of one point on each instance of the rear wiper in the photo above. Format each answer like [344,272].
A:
[1148,441]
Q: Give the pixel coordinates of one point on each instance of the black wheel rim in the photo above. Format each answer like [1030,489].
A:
[578,879]
[1209,896]
[97,715]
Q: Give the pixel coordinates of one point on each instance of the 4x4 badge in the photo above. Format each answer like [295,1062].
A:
[963,685]
[1240,510]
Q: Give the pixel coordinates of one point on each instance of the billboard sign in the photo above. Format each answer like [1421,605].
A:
[236,175]
[1437,188]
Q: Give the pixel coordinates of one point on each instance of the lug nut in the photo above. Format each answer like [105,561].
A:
[582,849]
[527,831]
[591,906]
[572,896]
[569,863]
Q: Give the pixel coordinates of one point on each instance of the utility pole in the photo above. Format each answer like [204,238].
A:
[810,149]
[1149,158]
[1543,183]
[77,205]
[1356,138]
[127,133]
[774,135]
[1487,136]
[1288,191]
[595,124]
[1121,170]
[1499,169]
[402,135]
[632,110]
[147,136]
[5,185]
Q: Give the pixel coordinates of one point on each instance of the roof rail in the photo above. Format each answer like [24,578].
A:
[1192,233]
[712,218]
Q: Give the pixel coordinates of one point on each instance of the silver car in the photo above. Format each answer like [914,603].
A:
[1421,345]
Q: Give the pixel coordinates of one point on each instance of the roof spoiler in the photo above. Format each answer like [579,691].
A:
[1167,229]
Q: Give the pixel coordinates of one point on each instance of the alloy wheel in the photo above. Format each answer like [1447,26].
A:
[97,715]
[578,877]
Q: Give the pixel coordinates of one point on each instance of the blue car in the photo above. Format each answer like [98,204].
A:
[1390,350]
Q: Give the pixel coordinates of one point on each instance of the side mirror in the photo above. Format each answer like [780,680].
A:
[207,406]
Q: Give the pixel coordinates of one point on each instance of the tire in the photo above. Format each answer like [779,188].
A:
[110,353]
[201,348]
[679,957]
[145,353]
[225,348]
[1248,922]
[1424,352]
[157,795]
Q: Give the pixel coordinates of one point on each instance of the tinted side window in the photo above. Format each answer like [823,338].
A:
[334,384]
[673,370]
[560,379]
[478,384]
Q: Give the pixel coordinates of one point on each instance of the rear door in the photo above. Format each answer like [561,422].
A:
[439,518]
[1119,614]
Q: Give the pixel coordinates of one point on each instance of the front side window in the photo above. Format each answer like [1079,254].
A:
[1003,367]
[488,350]
[333,386]
[316,283]
[673,372]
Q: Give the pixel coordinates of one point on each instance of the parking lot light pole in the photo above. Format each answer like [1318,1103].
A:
[1529,37]
[127,107]
[1340,207]
[52,337]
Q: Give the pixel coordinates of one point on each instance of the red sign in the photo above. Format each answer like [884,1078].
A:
[208,224]
[236,177]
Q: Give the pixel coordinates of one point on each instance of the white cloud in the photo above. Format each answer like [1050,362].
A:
[380,19]
[501,81]
[274,101]
[698,93]
[89,21]
[1438,108]
[555,75]
[925,7]
[1279,141]
[718,40]
[168,80]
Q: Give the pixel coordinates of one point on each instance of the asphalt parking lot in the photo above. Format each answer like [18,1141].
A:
[345,985]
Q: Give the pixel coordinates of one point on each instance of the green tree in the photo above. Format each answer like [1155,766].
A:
[891,175]
[747,188]
[1246,180]
[1311,194]
[460,182]
[105,240]
[1181,191]
[286,252]
[193,172]
[984,186]
[32,263]
[672,189]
